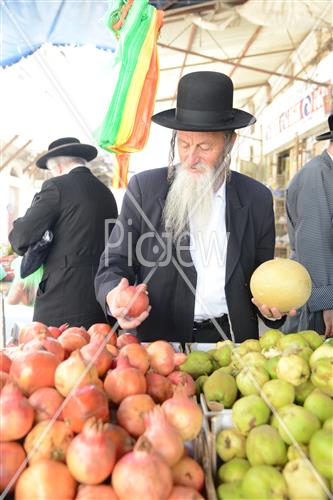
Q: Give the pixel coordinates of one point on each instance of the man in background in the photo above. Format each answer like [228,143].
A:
[309,205]
[75,206]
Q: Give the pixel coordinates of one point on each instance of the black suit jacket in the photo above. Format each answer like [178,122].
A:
[75,207]
[136,251]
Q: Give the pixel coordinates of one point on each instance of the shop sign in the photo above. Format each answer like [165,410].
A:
[307,112]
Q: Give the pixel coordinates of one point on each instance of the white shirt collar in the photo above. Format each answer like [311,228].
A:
[220,193]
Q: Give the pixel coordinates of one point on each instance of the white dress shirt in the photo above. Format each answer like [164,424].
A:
[209,253]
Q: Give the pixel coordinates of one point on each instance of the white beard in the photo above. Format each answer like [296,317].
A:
[191,197]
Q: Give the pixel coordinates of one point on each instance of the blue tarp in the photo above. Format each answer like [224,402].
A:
[28,24]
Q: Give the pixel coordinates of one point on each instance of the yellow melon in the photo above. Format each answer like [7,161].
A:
[281,283]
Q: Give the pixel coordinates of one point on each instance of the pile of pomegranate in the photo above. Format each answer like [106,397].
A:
[85,414]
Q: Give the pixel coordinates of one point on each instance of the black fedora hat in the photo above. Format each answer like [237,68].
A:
[327,135]
[67,146]
[204,103]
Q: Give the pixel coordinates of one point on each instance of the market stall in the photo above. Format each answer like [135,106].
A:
[87,414]
[92,414]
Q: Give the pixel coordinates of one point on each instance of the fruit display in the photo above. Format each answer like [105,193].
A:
[109,417]
[274,437]
[92,415]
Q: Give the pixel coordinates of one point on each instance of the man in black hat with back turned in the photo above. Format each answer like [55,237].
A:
[310,226]
[194,232]
[74,205]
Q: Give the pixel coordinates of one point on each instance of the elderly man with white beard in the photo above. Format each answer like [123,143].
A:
[192,234]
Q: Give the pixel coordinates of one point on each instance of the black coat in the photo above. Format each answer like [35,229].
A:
[171,285]
[75,207]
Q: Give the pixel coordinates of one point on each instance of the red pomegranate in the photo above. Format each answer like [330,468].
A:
[124,381]
[48,344]
[16,413]
[104,329]
[5,362]
[132,411]
[127,338]
[48,439]
[46,402]
[85,402]
[135,302]
[11,464]
[137,356]
[32,331]
[91,455]
[42,479]
[97,492]
[32,370]
[160,388]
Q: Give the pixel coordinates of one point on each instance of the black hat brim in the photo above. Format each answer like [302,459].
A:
[85,151]
[168,119]
[325,137]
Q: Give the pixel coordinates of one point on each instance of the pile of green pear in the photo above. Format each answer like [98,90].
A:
[280,390]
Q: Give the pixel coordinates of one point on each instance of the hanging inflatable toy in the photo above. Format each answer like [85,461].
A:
[126,126]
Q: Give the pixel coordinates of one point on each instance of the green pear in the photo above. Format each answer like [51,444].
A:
[229,491]
[313,338]
[291,339]
[322,375]
[248,412]
[297,423]
[199,384]
[293,369]
[306,353]
[227,369]
[249,345]
[215,364]
[324,351]
[270,338]
[304,483]
[328,341]
[230,443]
[211,352]
[233,370]
[253,358]
[223,343]
[197,363]
[222,356]
[303,352]
[319,404]
[302,391]
[274,422]
[271,352]
[279,393]
[270,365]
[250,380]
[328,424]
[234,470]
[220,387]
[321,452]
[297,451]
[236,360]
[264,446]
[264,481]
